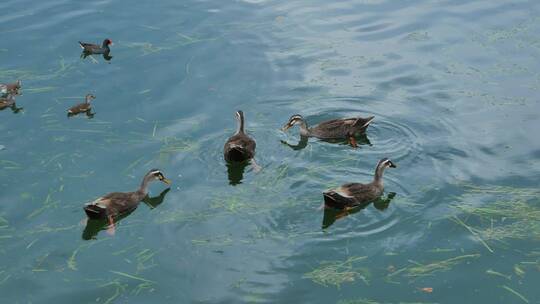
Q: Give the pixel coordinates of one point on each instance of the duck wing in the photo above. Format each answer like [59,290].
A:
[351,195]
[335,128]
[90,47]
[364,193]
[239,147]
[113,204]
[82,107]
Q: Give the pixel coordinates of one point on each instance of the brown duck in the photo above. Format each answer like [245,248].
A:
[117,203]
[85,107]
[11,88]
[9,102]
[239,147]
[355,194]
[343,128]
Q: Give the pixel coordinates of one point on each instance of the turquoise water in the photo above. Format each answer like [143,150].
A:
[453,86]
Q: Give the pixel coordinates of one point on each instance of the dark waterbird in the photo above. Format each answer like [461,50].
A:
[240,147]
[94,49]
[343,128]
[115,204]
[10,88]
[331,215]
[9,102]
[85,107]
[357,194]
[94,226]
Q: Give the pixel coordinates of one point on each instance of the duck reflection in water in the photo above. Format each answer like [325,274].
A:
[235,171]
[331,215]
[9,102]
[361,140]
[94,226]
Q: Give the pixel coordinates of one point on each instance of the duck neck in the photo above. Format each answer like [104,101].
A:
[87,99]
[143,189]
[240,118]
[304,129]
[379,174]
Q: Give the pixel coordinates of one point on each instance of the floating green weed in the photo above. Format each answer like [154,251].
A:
[39,90]
[421,270]
[175,145]
[517,294]
[498,274]
[145,259]
[514,213]
[339,272]
[368,301]
[4,277]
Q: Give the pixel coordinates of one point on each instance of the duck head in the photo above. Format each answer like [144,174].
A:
[294,120]
[386,163]
[107,42]
[89,97]
[157,175]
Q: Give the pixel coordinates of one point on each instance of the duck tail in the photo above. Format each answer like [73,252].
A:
[81,45]
[335,200]
[95,212]
[236,153]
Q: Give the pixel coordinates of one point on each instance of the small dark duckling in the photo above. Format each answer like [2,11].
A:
[84,107]
[94,49]
[117,203]
[9,102]
[344,128]
[355,194]
[239,147]
[11,88]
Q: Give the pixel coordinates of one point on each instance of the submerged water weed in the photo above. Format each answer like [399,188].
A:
[173,42]
[9,165]
[4,225]
[368,301]
[339,272]
[61,70]
[517,294]
[421,270]
[176,145]
[145,259]
[513,214]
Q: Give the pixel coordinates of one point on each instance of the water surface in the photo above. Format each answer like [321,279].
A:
[454,89]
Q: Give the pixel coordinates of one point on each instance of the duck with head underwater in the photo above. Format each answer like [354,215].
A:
[342,128]
[117,203]
[356,194]
[10,88]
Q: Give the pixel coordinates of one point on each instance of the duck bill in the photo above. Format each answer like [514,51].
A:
[286,127]
[392,165]
[166,181]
